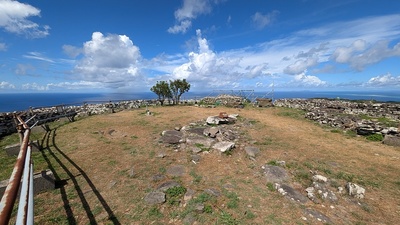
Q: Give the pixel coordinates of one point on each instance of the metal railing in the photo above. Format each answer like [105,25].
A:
[23,169]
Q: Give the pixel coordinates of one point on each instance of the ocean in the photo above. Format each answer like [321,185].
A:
[23,101]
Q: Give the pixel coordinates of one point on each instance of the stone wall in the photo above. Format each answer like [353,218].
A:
[49,114]
[226,100]
[364,117]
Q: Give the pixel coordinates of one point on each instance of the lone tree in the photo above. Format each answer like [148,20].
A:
[162,90]
[178,87]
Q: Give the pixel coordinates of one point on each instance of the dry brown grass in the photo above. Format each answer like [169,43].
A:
[97,188]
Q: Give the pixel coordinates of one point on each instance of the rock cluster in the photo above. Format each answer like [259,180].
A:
[365,118]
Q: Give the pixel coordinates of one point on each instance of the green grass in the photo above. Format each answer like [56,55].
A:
[292,113]
[196,177]
[375,137]
[228,219]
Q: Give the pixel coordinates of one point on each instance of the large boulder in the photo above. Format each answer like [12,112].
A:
[392,140]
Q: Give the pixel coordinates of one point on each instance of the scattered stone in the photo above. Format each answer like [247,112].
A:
[188,195]
[167,185]
[189,219]
[212,191]
[176,170]
[196,158]
[275,174]
[355,190]
[281,163]
[319,178]
[224,146]
[199,207]
[158,177]
[251,151]
[155,197]
[161,155]
[132,172]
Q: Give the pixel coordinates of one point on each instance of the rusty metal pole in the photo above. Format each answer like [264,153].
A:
[11,192]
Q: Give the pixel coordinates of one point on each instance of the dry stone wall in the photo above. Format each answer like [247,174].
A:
[364,117]
[49,114]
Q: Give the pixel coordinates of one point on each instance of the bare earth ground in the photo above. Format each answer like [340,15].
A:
[105,166]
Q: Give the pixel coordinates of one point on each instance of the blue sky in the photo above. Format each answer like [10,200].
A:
[128,45]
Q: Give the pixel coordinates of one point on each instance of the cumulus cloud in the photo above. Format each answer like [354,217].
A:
[189,11]
[6,85]
[386,80]
[304,80]
[300,65]
[262,20]
[14,19]
[111,59]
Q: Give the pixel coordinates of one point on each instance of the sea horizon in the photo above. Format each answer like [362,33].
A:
[10,102]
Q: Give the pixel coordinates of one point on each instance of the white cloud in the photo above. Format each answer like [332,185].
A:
[189,11]
[3,47]
[85,85]
[358,55]
[38,56]
[71,51]
[300,65]
[386,80]
[6,85]
[262,20]
[13,18]
[111,59]
[34,86]
[303,80]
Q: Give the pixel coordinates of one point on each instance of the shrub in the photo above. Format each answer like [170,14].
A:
[375,137]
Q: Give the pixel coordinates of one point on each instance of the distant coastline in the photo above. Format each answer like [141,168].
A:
[23,101]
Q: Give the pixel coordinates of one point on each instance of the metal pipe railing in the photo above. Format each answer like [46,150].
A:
[23,166]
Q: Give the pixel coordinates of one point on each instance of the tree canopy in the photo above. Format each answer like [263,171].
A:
[162,90]
[174,90]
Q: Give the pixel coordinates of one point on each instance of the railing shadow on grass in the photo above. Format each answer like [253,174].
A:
[60,183]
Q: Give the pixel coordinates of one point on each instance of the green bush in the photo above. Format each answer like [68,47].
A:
[375,137]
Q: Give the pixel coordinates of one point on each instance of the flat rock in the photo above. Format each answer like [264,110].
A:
[213,191]
[176,170]
[293,194]
[275,174]
[155,197]
[223,146]
[203,141]
[196,130]
[171,137]
[318,216]
[215,120]
[167,185]
[251,151]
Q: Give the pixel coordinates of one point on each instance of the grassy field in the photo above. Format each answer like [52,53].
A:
[106,164]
